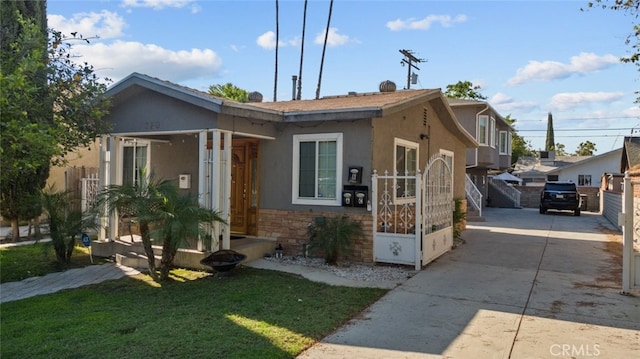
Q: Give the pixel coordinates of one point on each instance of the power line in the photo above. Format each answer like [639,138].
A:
[581,129]
[581,119]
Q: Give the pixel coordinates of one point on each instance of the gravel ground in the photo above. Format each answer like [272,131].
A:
[358,271]
[353,271]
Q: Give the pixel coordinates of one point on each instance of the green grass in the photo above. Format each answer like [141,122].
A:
[31,260]
[249,313]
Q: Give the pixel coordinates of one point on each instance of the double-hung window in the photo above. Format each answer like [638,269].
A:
[504,144]
[317,169]
[492,132]
[135,158]
[482,130]
[406,160]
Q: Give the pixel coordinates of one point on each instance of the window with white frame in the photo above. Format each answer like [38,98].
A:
[406,162]
[492,132]
[317,169]
[482,129]
[584,180]
[135,158]
[504,144]
[448,157]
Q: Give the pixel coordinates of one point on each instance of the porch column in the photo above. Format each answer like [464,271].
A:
[104,161]
[225,184]
[202,178]
[214,185]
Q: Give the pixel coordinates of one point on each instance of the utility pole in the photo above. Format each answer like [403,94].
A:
[410,59]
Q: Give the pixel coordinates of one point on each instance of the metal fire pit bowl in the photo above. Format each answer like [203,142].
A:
[223,260]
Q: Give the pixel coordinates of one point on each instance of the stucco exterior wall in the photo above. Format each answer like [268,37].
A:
[277,162]
[409,125]
[179,156]
[82,157]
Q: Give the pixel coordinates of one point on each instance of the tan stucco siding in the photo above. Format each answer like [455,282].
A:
[82,157]
[409,125]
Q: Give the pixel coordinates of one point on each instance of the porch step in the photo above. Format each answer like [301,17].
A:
[475,219]
[134,260]
[253,248]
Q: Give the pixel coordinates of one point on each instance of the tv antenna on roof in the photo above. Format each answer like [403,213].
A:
[410,60]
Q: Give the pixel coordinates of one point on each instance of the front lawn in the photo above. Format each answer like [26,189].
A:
[32,260]
[249,313]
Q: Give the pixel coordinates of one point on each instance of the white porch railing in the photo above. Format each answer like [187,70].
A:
[474,197]
[507,190]
[89,192]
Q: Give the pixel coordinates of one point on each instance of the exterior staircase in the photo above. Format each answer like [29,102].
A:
[503,195]
[474,201]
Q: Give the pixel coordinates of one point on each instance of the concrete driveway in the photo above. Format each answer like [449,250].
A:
[524,285]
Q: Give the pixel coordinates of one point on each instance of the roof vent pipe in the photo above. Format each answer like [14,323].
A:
[294,79]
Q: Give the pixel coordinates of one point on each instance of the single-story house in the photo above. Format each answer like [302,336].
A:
[272,168]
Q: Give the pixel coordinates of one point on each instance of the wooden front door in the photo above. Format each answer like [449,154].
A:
[244,186]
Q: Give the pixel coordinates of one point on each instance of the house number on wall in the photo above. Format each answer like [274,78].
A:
[152,125]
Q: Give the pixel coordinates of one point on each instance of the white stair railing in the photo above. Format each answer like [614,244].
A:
[507,190]
[474,197]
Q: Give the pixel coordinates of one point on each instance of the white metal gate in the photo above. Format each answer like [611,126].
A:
[413,214]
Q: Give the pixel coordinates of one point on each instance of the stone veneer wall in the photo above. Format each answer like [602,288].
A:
[289,228]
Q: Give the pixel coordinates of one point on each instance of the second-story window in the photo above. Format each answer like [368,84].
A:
[482,130]
[504,143]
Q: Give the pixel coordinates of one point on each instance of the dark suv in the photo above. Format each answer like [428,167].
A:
[560,196]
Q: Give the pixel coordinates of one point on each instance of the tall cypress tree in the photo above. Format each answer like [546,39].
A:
[19,195]
[550,142]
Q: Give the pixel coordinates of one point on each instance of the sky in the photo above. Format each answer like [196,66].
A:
[530,58]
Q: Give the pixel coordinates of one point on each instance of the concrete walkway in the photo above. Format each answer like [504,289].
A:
[524,285]
[54,282]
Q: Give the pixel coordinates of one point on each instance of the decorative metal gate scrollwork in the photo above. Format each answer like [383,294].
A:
[413,214]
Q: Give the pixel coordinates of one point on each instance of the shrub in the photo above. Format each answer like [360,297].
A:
[333,236]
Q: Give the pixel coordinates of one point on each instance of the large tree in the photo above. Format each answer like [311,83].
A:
[464,90]
[50,106]
[229,91]
[586,148]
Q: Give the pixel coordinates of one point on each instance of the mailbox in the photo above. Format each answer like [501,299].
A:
[360,199]
[347,198]
[355,175]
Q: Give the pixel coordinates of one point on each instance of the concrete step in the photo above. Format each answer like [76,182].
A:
[475,218]
[253,248]
[134,260]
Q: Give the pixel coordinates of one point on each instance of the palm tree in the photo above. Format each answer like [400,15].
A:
[304,26]
[161,211]
[180,217]
[141,200]
[275,80]
[324,47]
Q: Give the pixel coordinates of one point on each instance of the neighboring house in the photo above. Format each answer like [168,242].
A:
[280,165]
[493,134]
[585,171]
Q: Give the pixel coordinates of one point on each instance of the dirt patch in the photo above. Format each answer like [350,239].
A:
[611,273]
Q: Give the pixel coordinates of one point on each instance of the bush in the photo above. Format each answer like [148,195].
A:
[332,236]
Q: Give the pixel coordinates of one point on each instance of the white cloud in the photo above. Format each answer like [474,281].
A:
[104,24]
[569,100]
[268,41]
[158,4]
[500,98]
[120,59]
[545,71]
[425,24]
[334,39]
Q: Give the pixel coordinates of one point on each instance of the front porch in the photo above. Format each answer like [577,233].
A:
[128,251]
